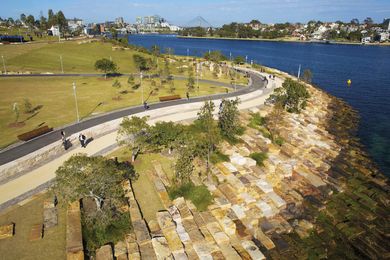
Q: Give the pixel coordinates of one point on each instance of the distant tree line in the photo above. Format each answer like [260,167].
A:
[42,23]
[256,29]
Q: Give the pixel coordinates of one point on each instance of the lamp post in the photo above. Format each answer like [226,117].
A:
[5,69]
[188,53]
[75,99]
[197,76]
[62,65]
[142,87]
[246,58]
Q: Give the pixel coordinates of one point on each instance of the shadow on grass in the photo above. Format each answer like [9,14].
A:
[93,110]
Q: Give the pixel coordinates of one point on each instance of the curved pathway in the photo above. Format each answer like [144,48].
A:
[36,180]
[20,150]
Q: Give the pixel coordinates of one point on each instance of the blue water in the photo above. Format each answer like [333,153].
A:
[332,65]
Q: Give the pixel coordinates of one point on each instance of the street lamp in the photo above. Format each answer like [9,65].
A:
[5,69]
[142,87]
[197,76]
[188,53]
[75,99]
[246,59]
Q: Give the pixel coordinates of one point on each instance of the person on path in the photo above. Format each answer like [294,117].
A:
[145,105]
[188,96]
[63,139]
[82,140]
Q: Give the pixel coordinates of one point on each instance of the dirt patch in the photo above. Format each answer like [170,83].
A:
[17,125]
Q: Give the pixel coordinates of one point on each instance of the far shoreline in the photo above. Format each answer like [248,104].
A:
[286,40]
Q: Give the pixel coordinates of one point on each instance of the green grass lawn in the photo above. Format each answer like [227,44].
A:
[144,189]
[55,95]
[51,246]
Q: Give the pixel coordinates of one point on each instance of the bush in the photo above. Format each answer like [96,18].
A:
[136,86]
[292,96]
[217,157]
[259,158]
[95,236]
[199,195]
[256,121]
[28,109]
[279,141]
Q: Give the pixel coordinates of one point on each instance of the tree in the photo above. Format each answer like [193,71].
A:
[172,86]
[155,50]
[106,66]
[184,166]
[307,76]
[140,62]
[164,135]
[99,180]
[51,19]
[135,133]
[61,21]
[292,96]
[209,128]
[368,21]
[130,80]
[274,120]
[91,177]
[28,106]
[355,21]
[191,80]
[166,71]
[15,108]
[215,56]
[23,18]
[30,20]
[239,60]
[43,23]
[228,118]
[116,84]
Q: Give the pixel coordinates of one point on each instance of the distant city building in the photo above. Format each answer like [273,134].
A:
[384,36]
[75,24]
[138,20]
[366,40]
[119,21]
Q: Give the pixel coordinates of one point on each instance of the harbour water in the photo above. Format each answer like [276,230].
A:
[368,67]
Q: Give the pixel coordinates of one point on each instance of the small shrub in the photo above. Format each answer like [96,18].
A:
[28,108]
[136,86]
[199,195]
[256,121]
[217,157]
[116,84]
[279,141]
[259,158]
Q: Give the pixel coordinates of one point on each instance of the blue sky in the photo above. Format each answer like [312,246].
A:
[217,12]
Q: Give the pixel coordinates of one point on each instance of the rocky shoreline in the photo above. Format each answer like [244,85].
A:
[318,195]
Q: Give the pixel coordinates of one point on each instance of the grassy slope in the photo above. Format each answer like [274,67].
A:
[144,189]
[51,246]
[56,97]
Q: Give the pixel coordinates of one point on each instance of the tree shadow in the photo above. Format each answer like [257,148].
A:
[35,111]
[93,110]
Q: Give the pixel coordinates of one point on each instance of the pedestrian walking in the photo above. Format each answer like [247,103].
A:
[188,96]
[63,139]
[146,105]
[82,140]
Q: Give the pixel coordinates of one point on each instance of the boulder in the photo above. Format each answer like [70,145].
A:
[252,250]
[7,231]
[161,249]
[104,253]
[120,248]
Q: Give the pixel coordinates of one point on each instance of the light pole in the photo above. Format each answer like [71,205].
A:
[142,87]
[197,76]
[246,58]
[62,65]
[5,69]
[75,99]
[188,53]
[230,56]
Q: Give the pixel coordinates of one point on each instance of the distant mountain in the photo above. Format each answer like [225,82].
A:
[198,21]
